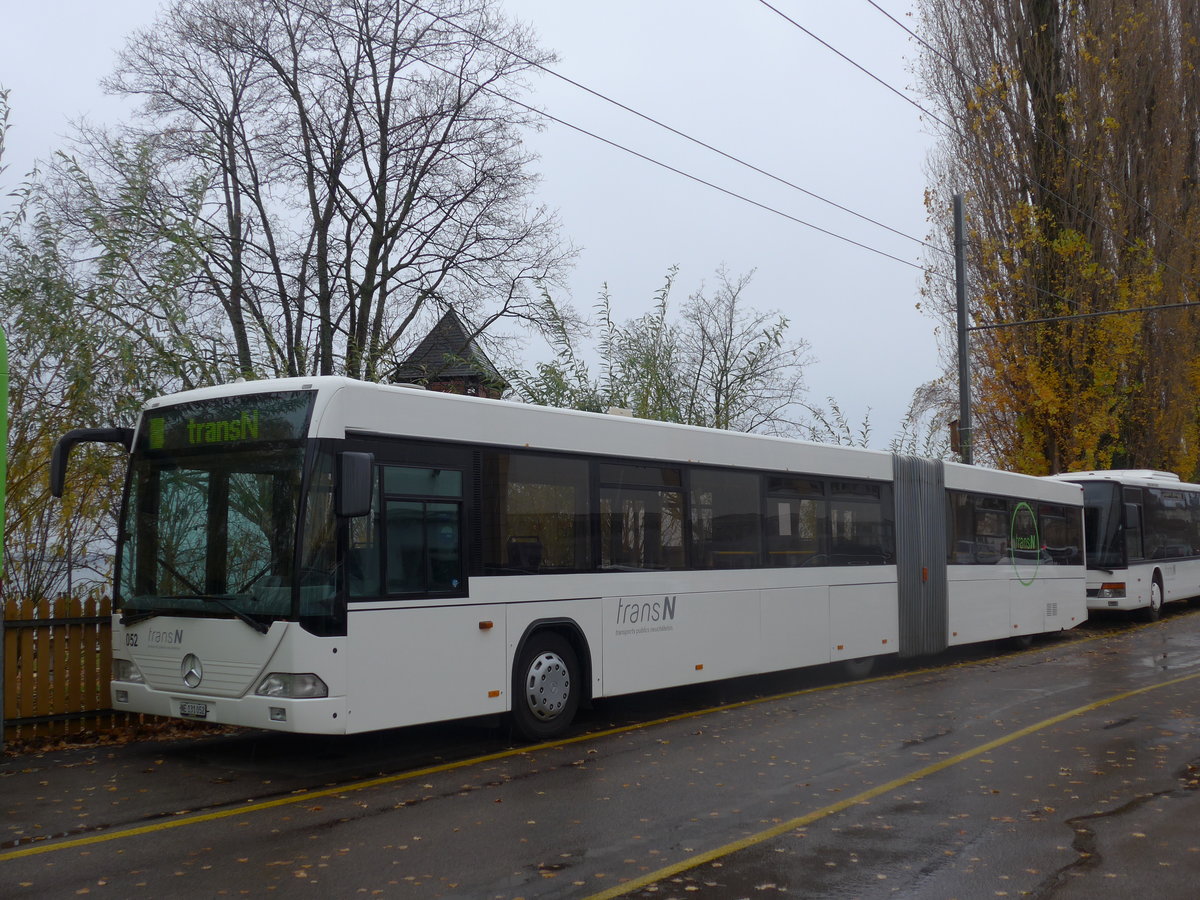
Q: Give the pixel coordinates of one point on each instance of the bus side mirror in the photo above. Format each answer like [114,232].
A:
[66,443]
[354,484]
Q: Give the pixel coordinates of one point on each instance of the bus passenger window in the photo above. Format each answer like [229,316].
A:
[641,529]
[726,520]
[978,529]
[1133,532]
[641,517]
[1061,534]
[422,535]
[536,513]
[1168,524]
[405,542]
[862,531]
[797,523]
[443,547]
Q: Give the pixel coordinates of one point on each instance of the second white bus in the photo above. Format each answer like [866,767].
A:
[1143,539]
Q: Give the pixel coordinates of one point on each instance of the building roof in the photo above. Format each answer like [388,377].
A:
[448,352]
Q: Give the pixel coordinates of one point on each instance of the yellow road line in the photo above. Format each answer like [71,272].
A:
[51,846]
[783,828]
[307,796]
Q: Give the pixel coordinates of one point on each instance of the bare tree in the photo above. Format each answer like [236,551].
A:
[721,364]
[746,373]
[361,166]
[53,358]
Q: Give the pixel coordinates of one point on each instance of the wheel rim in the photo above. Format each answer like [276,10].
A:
[547,686]
[1156,600]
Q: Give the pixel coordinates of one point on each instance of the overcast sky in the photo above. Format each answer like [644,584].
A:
[731,73]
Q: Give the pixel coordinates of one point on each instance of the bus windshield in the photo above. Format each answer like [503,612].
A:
[1102,525]
[210,521]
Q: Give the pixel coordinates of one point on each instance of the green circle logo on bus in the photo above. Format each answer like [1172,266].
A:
[1024,542]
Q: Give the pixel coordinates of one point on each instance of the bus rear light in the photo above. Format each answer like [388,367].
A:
[287,684]
[1112,590]
[126,670]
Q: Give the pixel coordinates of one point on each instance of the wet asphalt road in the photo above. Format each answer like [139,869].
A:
[1068,771]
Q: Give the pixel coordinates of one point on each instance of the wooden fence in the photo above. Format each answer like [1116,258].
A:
[57,667]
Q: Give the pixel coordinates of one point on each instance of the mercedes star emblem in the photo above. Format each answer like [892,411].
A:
[191,670]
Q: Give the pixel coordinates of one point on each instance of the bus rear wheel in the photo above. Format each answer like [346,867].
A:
[546,688]
[854,669]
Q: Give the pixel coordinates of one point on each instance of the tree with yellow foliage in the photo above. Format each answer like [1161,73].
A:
[1072,130]
[56,357]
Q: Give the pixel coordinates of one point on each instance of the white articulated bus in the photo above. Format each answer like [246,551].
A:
[1143,538]
[326,555]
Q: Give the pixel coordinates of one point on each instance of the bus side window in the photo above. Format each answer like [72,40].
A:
[726,519]
[536,513]
[641,517]
[1058,527]
[797,521]
[861,527]
[421,530]
[1133,531]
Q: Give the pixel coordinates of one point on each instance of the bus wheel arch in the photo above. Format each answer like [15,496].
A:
[550,679]
[1020,642]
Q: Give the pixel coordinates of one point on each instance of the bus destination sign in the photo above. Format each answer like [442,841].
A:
[229,421]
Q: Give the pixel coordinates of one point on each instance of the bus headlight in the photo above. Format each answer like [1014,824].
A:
[288,684]
[1114,590]
[125,670]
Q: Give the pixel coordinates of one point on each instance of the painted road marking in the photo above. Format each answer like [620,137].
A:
[182,821]
[307,796]
[783,828]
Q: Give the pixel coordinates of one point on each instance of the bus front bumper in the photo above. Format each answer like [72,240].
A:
[1114,596]
[326,715]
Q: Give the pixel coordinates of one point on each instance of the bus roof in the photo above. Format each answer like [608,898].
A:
[347,407]
[1132,477]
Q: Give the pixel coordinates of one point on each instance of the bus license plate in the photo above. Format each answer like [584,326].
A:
[194,710]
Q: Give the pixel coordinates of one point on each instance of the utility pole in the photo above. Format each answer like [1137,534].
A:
[965,431]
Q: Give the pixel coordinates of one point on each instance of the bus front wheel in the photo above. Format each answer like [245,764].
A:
[1154,610]
[546,687]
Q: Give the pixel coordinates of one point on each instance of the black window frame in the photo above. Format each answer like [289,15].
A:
[524,564]
[604,470]
[965,550]
[393,451]
[731,557]
[613,473]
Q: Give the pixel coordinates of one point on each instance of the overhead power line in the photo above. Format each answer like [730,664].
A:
[688,175]
[828,46]
[697,141]
[1120,236]
[1092,315]
[1023,117]
[907,99]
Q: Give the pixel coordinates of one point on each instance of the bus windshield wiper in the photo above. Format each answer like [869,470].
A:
[138,615]
[225,604]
